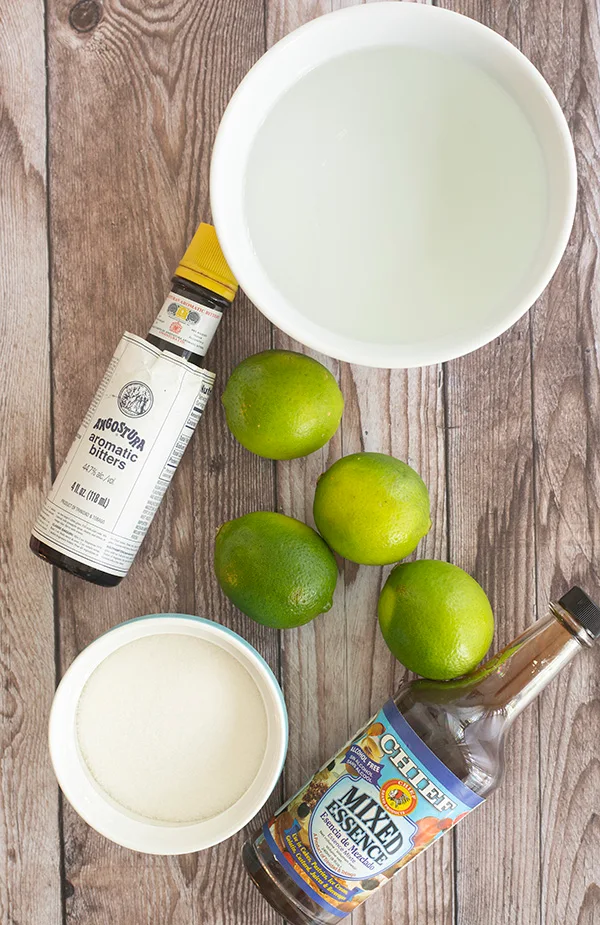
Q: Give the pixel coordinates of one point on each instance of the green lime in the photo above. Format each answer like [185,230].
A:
[435,618]
[275,569]
[282,405]
[372,508]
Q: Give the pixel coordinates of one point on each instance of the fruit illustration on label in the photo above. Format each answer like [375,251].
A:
[367,813]
[429,757]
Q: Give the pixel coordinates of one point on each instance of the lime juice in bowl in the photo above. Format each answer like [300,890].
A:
[393,184]
[450,195]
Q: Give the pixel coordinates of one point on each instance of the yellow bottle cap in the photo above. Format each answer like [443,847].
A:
[203,263]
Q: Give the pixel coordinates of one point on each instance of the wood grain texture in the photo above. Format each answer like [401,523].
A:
[492,536]
[399,412]
[337,671]
[314,665]
[134,107]
[30,889]
[558,882]
[566,329]
[136,90]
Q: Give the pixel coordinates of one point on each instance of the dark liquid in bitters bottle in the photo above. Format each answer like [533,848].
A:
[462,724]
[192,282]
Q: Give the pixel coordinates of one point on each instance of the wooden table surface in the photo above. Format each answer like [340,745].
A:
[107,119]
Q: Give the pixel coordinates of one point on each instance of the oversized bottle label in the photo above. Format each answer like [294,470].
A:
[381,801]
[188,324]
[124,456]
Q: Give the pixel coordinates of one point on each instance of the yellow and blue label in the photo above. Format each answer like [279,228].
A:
[381,801]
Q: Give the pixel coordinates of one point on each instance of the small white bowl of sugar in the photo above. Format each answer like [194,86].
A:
[168,733]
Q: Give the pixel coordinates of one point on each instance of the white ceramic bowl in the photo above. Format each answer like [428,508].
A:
[111,819]
[379,25]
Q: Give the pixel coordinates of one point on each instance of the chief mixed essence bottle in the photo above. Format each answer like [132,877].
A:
[430,756]
[137,427]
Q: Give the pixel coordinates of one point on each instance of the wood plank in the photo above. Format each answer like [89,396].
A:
[228,482]
[313,657]
[135,102]
[399,412]
[491,520]
[29,836]
[492,536]
[130,149]
[565,45]
[337,670]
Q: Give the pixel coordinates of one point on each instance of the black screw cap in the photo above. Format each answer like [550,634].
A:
[583,610]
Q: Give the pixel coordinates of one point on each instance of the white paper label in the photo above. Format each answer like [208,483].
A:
[188,324]
[124,456]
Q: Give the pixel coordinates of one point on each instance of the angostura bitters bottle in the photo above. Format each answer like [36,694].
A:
[429,757]
[138,426]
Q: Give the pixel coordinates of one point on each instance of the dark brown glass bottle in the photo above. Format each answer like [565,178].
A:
[426,759]
[200,295]
[202,289]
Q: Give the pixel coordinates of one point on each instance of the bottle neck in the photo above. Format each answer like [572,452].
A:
[199,293]
[188,320]
[513,678]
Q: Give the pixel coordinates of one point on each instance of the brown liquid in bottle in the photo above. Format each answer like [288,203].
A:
[186,283]
[464,724]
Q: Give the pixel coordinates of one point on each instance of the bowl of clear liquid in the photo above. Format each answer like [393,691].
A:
[393,184]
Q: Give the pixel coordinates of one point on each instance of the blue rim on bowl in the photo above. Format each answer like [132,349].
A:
[96,807]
